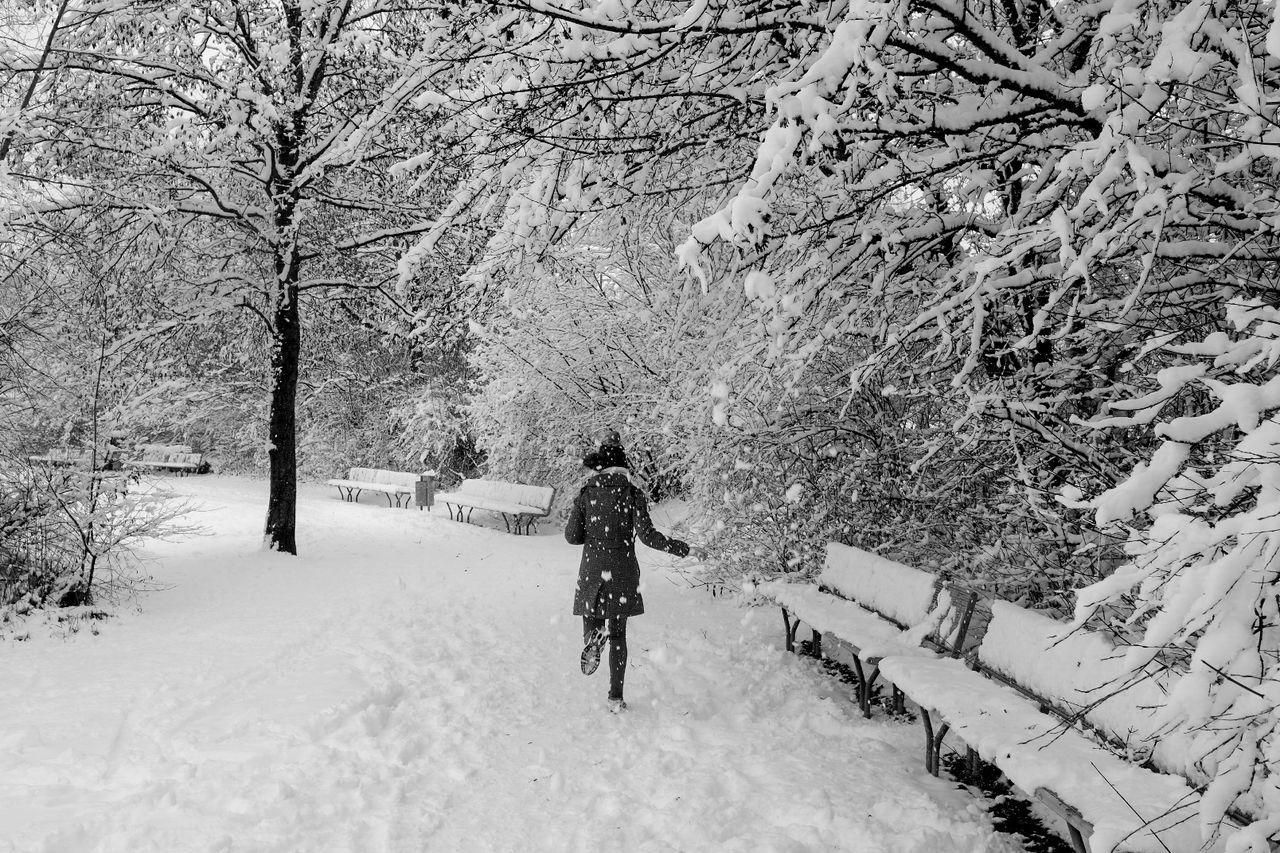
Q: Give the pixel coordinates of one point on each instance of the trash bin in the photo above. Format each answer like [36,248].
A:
[425,489]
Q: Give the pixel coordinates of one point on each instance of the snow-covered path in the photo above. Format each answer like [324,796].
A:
[411,684]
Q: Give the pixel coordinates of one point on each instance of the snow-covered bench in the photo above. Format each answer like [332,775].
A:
[1039,705]
[520,505]
[63,457]
[873,608]
[176,458]
[399,486]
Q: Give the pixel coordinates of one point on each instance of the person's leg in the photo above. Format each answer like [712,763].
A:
[617,656]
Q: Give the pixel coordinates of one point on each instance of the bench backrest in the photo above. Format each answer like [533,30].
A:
[163,452]
[383,476]
[67,454]
[898,592]
[186,458]
[1079,674]
[516,493]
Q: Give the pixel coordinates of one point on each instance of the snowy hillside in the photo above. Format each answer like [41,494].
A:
[411,684]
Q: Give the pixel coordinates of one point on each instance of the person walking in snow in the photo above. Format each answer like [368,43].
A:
[607,516]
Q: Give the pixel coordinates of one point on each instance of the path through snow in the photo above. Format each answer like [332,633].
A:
[410,684]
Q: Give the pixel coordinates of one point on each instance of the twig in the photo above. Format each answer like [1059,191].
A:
[1237,682]
[1146,824]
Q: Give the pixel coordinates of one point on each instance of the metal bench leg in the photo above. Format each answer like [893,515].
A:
[937,747]
[927,719]
[864,699]
[791,629]
[864,685]
[507,521]
[932,742]
[387,495]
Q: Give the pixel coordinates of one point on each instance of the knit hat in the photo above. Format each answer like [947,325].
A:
[608,456]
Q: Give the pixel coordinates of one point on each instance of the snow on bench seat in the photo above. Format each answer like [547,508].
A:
[519,504]
[871,606]
[63,457]
[1014,711]
[178,458]
[393,485]
[1083,675]
[1041,756]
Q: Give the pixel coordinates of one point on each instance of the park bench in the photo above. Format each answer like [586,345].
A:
[520,505]
[872,608]
[63,457]
[397,486]
[177,458]
[1046,709]
[1016,689]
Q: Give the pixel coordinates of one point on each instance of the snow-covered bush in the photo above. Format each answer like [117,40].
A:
[68,536]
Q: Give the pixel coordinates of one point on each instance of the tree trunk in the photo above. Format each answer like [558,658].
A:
[282,500]
[286,344]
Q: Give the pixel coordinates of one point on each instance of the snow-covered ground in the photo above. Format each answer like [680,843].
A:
[411,684]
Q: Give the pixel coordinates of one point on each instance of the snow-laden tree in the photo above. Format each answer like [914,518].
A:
[817,270]
[1065,193]
[275,124]
[1202,589]
[593,338]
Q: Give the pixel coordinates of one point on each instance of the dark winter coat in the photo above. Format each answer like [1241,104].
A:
[607,516]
